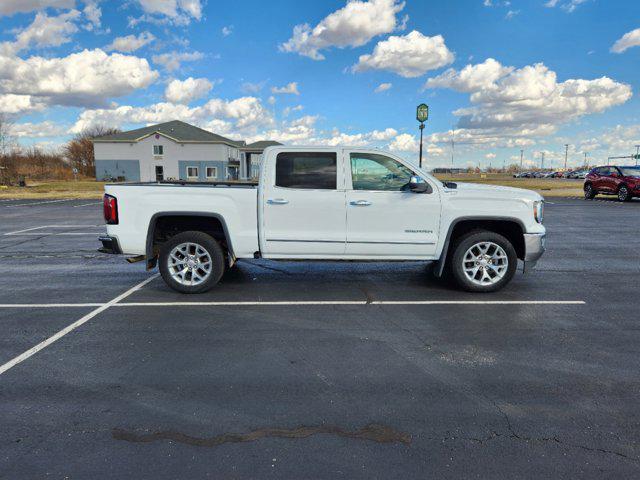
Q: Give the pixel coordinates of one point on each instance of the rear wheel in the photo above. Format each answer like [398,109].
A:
[483,261]
[623,194]
[191,262]
[589,192]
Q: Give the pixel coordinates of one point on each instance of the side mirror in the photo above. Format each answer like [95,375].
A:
[419,185]
[451,185]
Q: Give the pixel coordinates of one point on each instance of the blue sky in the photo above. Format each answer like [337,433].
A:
[498,76]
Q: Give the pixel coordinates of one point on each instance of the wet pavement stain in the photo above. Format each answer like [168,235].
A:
[372,432]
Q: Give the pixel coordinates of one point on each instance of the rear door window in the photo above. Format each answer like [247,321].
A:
[308,170]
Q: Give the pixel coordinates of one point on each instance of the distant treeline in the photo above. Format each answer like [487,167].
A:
[33,163]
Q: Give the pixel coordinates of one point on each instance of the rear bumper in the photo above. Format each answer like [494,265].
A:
[534,247]
[109,245]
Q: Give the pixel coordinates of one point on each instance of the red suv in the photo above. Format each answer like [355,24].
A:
[613,180]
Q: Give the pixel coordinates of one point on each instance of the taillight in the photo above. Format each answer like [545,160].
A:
[110,205]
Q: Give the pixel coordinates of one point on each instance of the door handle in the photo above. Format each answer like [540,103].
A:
[277,201]
[360,203]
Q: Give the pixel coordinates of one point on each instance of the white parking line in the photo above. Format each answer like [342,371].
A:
[57,336]
[87,204]
[302,302]
[24,232]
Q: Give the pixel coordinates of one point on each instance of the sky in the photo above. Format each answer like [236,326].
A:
[500,77]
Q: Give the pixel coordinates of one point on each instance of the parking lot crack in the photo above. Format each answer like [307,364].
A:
[371,432]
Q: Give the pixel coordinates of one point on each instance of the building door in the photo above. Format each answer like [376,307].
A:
[232,172]
[159,173]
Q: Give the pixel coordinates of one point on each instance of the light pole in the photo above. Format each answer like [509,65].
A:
[542,161]
[521,155]
[637,154]
[422,114]
[585,159]
[566,154]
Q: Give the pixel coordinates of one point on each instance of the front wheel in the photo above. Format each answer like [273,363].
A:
[589,192]
[191,262]
[483,261]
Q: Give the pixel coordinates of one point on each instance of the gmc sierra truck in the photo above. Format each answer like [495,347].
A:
[326,204]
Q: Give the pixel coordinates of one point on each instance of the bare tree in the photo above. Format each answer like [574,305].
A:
[79,150]
[7,166]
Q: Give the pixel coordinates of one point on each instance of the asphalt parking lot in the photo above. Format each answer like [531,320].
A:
[306,370]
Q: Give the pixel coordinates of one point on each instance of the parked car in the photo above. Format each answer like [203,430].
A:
[613,180]
[327,204]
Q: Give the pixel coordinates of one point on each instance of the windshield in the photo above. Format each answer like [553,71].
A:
[630,171]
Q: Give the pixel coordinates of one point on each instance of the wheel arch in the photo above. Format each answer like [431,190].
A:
[510,227]
[160,229]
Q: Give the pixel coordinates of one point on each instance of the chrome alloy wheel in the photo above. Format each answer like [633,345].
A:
[189,264]
[485,263]
[623,193]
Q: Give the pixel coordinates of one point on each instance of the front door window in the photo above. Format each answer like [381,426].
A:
[370,171]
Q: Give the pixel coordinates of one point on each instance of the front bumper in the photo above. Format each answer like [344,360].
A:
[534,247]
[109,245]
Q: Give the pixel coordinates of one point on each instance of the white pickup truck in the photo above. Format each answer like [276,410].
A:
[326,204]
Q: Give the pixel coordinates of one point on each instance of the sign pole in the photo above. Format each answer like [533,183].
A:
[422,114]
[421,129]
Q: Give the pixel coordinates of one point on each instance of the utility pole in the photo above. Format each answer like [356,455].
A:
[637,154]
[566,154]
[453,145]
[542,161]
[585,159]
[521,155]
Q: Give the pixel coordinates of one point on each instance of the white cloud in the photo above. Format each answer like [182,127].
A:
[172,61]
[404,143]
[410,55]
[180,12]
[44,31]
[515,105]
[186,91]
[227,30]
[490,156]
[511,13]
[351,26]
[9,7]
[288,110]
[18,104]
[628,40]
[471,78]
[249,87]
[244,112]
[382,135]
[85,78]
[290,89]
[93,14]
[568,6]
[37,130]
[383,87]
[271,100]
[130,43]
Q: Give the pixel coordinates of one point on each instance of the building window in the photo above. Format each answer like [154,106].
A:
[193,173]
[212,173]
[158,150]
[159,173]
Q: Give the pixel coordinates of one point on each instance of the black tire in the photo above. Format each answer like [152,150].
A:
[624,195]
[589,192]
[470,239]
[212,248]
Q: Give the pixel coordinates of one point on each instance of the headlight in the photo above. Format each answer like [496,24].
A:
[538,211]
